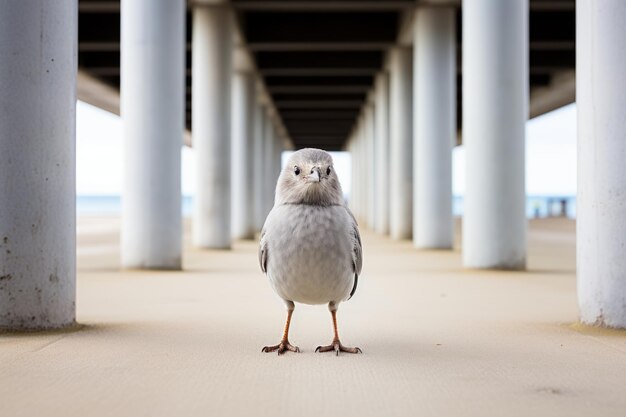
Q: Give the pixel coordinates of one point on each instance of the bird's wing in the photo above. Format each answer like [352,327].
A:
[357,251]
[263,251]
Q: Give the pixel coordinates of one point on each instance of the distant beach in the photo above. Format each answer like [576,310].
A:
[536,206]
[111,205]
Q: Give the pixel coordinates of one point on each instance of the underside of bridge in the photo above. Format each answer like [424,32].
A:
[318,59]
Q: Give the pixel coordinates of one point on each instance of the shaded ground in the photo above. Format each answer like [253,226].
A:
[438,340]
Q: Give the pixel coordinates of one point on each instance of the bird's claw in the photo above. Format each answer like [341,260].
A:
[281,348]
[337,347]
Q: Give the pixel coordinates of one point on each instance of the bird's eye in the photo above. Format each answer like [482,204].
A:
[296,170]
[328,171]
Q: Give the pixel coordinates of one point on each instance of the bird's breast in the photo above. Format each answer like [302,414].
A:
[310,253]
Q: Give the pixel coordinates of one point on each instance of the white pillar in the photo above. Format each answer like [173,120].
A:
[382,153]
[601,204]
[354,191]
[259,167]
[363,171]
[153,116]
[495,109]
[370,176]
[278,152]
[270,172]
[212,49]
[358,179]
[38,44]
[242,169]
[354,197]
[350,150]
[434,129]
[401,143]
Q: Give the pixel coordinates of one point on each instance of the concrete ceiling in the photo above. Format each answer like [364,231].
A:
[318,58]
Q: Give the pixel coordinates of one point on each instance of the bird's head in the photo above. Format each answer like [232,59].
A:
[309,178]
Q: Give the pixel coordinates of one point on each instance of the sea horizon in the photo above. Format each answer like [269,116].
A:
[537,206]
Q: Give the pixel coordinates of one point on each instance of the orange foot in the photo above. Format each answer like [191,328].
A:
[337,347]
[281,348]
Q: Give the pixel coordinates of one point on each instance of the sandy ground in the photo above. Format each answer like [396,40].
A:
[437,340]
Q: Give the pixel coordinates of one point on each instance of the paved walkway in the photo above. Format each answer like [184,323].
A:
[438,340]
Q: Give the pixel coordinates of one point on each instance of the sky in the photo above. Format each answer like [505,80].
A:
[550,155]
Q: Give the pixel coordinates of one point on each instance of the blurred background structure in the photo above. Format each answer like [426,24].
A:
[365,76]
[397,84]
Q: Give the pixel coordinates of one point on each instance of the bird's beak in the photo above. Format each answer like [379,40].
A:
[314,176]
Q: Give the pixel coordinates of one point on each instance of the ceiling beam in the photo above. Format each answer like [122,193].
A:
[327,81]
[560,92]
[336,124]
[99,7]
[371,5]
[326,6]
[98,46]
[114,71]
[553,6]
[318,104]
[308,89]
[553,45]
[318,72]
[540,45]
[547,69]
[315,139]
[299,134]
[93,91]
[321,115]
[318,127]
[319,59]
[543,45]
[106,46]
[539,69]
[318,46]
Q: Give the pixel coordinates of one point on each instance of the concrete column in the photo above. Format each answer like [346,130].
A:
[271,172]
[212,48]
[354,197]
[363,171]
[278,152]
[153,116]
[242,169]
[38,43]
[495,109]
[401,143]
[370,177]
[434,94]
[382,154]
[601,100]
[259,167]
[358,179]
[354,156]
[350,150]
[354,173]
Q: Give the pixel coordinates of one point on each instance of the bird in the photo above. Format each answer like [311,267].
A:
[310,245]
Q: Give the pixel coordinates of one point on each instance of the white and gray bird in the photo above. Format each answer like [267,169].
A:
[310,245]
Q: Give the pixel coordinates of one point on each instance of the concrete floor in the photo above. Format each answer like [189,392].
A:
[437,340]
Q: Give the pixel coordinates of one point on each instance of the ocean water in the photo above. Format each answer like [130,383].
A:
[110,205]
[536,206]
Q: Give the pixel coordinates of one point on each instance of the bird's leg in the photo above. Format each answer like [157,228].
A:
[336,345]
[284,344]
